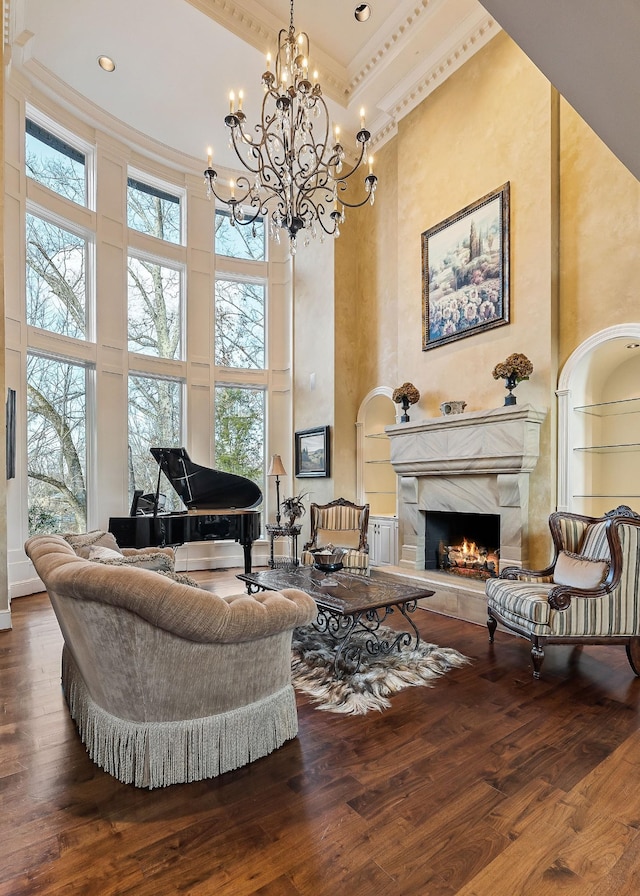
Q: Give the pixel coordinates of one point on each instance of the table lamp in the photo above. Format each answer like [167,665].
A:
[276,469]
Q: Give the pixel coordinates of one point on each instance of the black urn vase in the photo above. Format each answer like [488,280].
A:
[510,383]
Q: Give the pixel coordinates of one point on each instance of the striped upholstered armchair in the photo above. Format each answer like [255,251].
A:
[589,594]
[343,525]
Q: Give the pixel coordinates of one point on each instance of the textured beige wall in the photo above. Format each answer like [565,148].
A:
[599,236]
[347,341]
[493,121]
[379,329]
[314,352]
[489,123]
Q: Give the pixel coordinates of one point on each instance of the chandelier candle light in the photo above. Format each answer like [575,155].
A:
[296,174]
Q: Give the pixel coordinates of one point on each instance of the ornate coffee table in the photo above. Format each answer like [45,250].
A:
[349,605]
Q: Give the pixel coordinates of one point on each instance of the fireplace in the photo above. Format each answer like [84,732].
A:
[476,463]
[463,544]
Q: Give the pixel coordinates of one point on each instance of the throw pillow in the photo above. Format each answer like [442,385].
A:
[83,542]
[97,552]
[344,538]
[155,561]
[578,572]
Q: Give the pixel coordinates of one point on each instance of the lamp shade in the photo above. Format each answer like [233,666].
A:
[276,468]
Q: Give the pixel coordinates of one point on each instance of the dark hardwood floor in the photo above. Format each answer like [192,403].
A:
[488,784]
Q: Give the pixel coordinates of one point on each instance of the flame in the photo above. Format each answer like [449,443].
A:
[469,549]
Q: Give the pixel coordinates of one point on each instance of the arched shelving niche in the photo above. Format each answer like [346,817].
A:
[377,483]
[599,423]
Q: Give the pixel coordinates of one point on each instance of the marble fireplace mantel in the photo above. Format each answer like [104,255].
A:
[478,462]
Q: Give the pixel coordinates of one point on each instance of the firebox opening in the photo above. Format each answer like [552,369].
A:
[465,544]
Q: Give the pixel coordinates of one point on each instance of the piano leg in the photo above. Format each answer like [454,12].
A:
[246,547]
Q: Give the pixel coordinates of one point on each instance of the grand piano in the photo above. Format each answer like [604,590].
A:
[220,506]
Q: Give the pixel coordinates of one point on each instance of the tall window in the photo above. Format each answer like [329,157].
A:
[240,344]
[240,241]
[239,431]
[56,445]
[240,324]
[154,309]
[153,211]
[55,163]
[56,278]
[155,421]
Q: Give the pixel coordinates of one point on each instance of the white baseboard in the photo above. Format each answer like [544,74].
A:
[5,620]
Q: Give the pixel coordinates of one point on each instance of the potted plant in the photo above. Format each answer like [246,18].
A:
[293,508]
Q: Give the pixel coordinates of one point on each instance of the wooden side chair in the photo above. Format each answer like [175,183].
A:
[342,524]
[590,593]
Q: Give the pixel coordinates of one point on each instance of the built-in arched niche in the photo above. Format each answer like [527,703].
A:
[599,423]
[377,482]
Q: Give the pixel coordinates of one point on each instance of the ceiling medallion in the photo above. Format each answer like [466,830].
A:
[297,177]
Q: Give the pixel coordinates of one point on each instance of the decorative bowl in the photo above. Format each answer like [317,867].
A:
[328,567]
[328,560]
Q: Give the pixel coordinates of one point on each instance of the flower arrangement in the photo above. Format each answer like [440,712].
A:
[406,394]
[408,391]
[294,508]
[516,366]
[513,370]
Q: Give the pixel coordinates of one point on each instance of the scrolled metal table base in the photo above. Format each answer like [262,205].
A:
[356,633]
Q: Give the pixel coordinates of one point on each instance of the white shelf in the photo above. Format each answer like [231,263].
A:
[615,497]
[611,408]
[610,449]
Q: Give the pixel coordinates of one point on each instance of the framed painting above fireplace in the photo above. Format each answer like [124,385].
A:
[465,271]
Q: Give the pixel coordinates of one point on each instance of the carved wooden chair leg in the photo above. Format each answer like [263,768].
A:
[537,656]
[492,624]
[633,654]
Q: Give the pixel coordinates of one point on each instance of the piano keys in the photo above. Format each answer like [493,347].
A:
[219,506]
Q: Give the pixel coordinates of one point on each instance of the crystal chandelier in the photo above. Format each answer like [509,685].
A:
[297,176]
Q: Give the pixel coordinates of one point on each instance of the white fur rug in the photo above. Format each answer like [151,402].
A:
[378,678]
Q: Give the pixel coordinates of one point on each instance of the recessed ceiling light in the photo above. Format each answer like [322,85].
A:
[634,345]
[106,63]
[362,12]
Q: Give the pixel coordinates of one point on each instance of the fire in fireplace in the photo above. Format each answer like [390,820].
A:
[465,544]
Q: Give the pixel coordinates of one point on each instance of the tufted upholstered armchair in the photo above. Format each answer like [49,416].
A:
[169,683]
[589,594]
[343,525]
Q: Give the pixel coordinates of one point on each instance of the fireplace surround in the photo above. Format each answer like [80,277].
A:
[471,463]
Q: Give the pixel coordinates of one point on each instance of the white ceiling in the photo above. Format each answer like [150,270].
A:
[177,60]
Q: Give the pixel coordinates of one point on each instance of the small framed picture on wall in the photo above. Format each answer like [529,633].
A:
[312,452]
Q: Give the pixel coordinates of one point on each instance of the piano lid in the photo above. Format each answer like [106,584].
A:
[203,488]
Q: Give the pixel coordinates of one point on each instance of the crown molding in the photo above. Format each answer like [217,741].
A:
[473,34]
[410,18]
[261,32]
